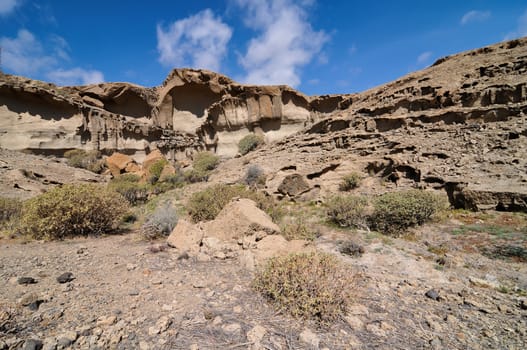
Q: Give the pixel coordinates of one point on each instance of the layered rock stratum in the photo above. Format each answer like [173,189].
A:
[459,125]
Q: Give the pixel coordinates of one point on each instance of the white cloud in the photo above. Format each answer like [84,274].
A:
[7,6]
[285,43]
[75,76]
[199,41]
[475,16]
[521,29]
[24,54]
[424,57]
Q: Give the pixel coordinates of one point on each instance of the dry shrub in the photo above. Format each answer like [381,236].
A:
[71,210]
[395,212]
[207,204]
[298,228]
[254,176]
[161,222]
[348,211]
[350,181]
[9,208]
[90,160]
[307,285]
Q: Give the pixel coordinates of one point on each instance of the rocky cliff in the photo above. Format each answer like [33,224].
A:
[459,125]
[191,110]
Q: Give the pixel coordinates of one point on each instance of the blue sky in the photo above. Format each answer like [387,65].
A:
[318,47]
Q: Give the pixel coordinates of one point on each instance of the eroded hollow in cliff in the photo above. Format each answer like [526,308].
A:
[128,103]
[193,98]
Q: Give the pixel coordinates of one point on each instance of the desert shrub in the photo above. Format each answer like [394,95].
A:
[306,285]
[129,187]
[161,222]
[175,180]
[351,248]
[298,228]
[206,205]
[395,212]
[157,167]
[350,182]
[248,143]
[254,176]
[193,176]
[348,211]
[70,210]
[205,161]
[90,160]
[9,208]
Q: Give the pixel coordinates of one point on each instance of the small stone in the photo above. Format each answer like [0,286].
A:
[50,344]
[33,344]
[232,328]
[523,304]
[106,320]
[65,277]
[161,326]
[131,267]
[194,347]
[237,309]
[433,294]
[256,334]
[217,321]
[199,284]
[143,345]
[354,322]
[26,280]
[309,338]
[67,338]
[436,343]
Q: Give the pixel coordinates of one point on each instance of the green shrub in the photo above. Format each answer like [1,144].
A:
[193,176]
[248,143]
[161,222]
[348,211]
[205,161]
[129,187]
[9,208]
[158,167]
[313,286]
[395,212]
[70,210]
[350,182]
[206,205]
[90,160]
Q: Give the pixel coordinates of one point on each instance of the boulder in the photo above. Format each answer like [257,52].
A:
[293,185]
[118,162]
[240,218]
[186,237]
[167,171]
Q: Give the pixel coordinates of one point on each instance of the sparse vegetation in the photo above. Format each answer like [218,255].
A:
[254,176]
[307,285]
[9,208]
[397,211]
[206,205]
[161,222]
[202,165]
[129,187]
[249,143]
[156,169]
[89,160]
[71,210]
[298,228]
[351,248]
[350,182]
[348,211]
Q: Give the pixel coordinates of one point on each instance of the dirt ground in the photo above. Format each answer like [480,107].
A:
[440,288]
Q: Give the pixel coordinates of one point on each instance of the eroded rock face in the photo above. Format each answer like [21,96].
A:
[459,126]
[192,110]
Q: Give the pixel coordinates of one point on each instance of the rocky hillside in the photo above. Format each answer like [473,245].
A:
[460,125]
[191,110]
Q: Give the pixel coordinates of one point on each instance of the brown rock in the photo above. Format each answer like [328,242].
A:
[167,171]
[118,162]
[186,237]
[241,217]
[293,185]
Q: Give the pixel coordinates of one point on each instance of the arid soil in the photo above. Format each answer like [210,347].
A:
[437,288]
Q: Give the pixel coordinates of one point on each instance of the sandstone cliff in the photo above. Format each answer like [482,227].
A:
[191,110]
[459,125]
